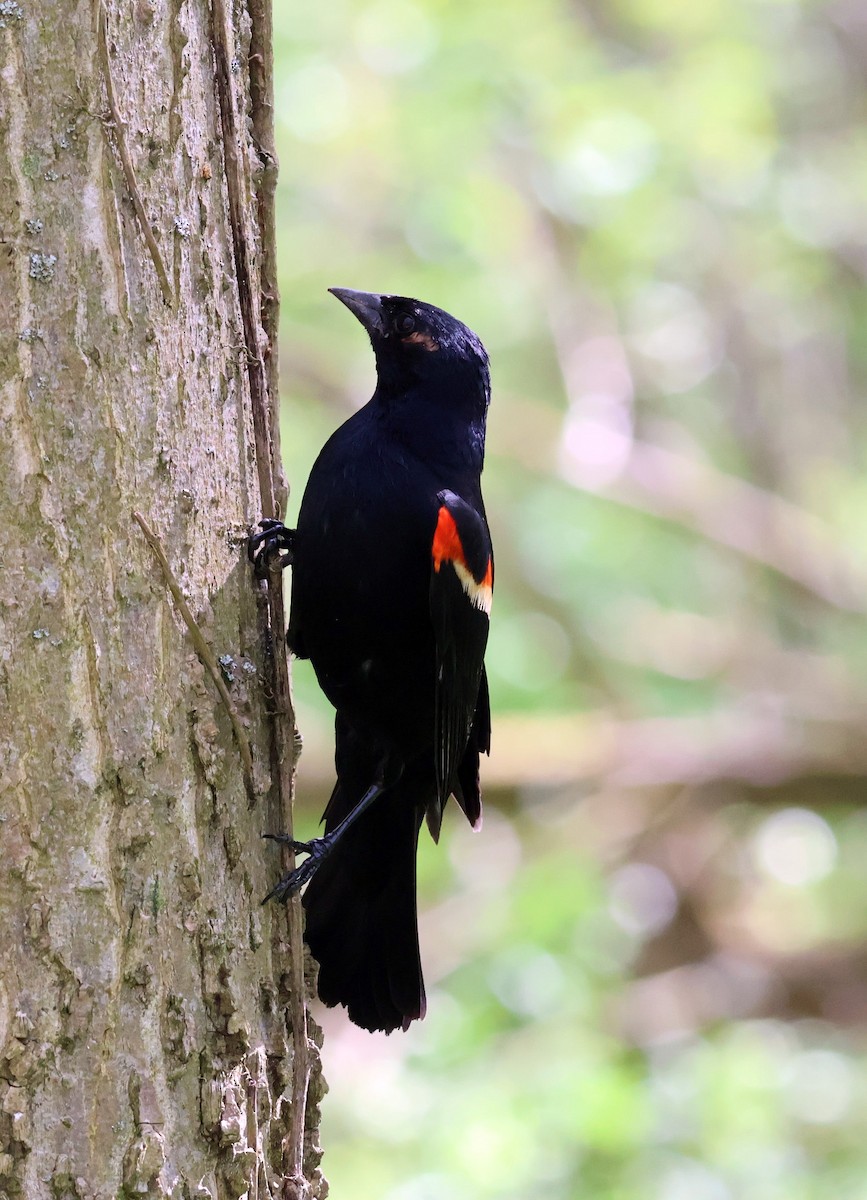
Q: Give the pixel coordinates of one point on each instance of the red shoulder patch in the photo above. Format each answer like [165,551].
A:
[447,546]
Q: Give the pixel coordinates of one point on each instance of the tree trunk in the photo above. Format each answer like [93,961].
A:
[152,1031]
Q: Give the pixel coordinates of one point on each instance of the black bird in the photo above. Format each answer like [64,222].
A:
[391,593]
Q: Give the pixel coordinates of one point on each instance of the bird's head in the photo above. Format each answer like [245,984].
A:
[421,349]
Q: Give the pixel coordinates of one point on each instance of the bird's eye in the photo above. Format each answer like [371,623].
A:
[405,324]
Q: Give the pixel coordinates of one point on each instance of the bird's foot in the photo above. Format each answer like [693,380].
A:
[294,881]
[273,536]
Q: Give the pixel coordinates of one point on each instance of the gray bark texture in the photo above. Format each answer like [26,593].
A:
[153,1039]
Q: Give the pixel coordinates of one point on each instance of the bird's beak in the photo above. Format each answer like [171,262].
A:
[367,306]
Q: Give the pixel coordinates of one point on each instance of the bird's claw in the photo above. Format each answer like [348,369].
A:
[273,536]
[294,881]
[285,840]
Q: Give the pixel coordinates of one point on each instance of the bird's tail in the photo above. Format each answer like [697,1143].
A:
[361,911]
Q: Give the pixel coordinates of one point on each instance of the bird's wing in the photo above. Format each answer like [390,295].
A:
[461,586]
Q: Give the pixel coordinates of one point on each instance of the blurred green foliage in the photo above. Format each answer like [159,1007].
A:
[648,976]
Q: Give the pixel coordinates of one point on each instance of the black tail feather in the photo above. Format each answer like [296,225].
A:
[361,912]
[466,787]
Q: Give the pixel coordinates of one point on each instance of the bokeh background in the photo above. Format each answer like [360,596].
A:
[648,975]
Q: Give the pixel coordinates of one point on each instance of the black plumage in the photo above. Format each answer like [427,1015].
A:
[391,591]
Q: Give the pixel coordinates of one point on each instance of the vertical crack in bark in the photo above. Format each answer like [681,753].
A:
[239,198]
[28,452]
[255,310]
[119,126]
[98,723]
[262,111]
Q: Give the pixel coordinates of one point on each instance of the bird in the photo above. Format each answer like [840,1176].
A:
[392,583]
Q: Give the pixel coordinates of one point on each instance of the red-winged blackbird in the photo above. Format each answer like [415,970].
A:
[391,594]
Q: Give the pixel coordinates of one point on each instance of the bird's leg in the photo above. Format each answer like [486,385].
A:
[319,848]
[273,536]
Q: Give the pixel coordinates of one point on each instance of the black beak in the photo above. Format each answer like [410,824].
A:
[367,306]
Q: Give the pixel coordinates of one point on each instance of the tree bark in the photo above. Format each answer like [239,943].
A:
[153,1039]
